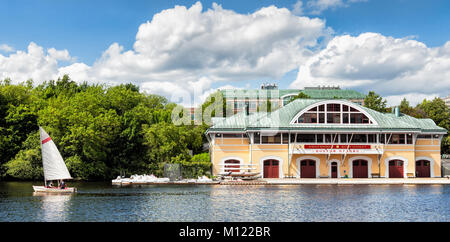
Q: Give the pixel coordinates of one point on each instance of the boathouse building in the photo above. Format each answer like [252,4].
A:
[314,138]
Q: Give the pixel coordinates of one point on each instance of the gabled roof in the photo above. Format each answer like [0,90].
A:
[282,117]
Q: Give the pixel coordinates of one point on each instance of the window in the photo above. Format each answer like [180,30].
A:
[424,136]
[231,136]
[333,113]
[372,138]
[321,118]
[257,138]
[285,138]
[275,139]
[306,138]
[330,138]
[343,138]
[333,118]
[359,138]
[345,118]
[319,138]
[409,139]
[399,139]
[333,107]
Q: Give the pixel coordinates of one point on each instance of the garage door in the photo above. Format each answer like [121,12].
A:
[395,169]
[233,164]
[360,169]
[271,169]
[308,169]
[422,168]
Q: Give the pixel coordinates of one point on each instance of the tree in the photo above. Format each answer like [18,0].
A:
[406,109]
[100,131]
[375,102]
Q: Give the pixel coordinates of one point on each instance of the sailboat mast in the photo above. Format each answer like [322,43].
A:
[40,142]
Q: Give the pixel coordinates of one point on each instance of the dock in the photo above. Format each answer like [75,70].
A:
[309,181]
[357,181]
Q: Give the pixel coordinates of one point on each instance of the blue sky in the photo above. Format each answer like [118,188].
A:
[86,29]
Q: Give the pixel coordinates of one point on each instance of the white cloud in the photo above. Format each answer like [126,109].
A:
[183,52]
[316,7]
[297,8]
[34,64]
[182,47]
[413,98]
[386,65]
[6,48]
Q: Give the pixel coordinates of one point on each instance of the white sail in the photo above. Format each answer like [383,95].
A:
[54,166]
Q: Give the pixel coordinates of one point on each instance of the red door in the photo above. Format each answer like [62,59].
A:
[395,169]
[360,169]
[271,168]
[232,164]
[422,168]
[308,169]
[334,169]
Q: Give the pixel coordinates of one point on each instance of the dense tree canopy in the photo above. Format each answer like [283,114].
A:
[375,102]
[100,131]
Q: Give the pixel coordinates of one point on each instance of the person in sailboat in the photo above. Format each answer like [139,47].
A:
[63,185]
[49,184]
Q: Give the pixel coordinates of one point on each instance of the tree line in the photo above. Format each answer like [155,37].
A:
[100,131]
[433,109]
[103,131]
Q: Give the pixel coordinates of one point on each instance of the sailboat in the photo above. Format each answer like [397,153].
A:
[54,166]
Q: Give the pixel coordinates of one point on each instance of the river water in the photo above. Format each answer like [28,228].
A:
[104,202]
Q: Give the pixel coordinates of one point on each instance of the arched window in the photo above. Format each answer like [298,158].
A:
[333,113]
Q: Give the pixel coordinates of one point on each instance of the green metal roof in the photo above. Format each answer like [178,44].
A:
[278,93]
[281,118]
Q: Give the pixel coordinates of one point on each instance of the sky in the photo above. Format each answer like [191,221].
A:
[185,50]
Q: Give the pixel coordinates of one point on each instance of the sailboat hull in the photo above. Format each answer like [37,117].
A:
[54,190]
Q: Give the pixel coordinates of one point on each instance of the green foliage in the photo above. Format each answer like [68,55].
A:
[100,131]
[301,95]
[27,164]
[434,109]
[203,157]
[375,102]
[198,165]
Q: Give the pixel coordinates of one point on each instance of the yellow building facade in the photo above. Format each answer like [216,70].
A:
[311,138]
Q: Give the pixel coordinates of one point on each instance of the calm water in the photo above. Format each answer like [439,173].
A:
[104,202]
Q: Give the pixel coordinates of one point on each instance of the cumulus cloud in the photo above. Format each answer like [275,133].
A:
[6,48]
[183,52]
[182,47]
[386,65]
[35,64]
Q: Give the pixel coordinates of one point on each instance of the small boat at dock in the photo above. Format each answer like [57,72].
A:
[151,179]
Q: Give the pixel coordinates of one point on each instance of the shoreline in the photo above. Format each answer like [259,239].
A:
[312,181]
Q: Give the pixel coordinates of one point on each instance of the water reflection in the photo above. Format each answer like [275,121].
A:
[54,207]
[103,202]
